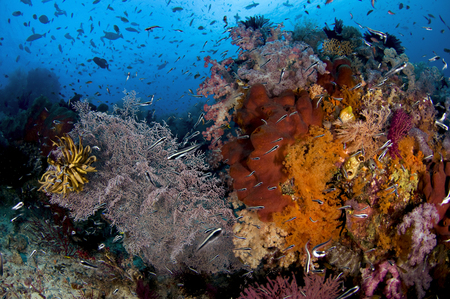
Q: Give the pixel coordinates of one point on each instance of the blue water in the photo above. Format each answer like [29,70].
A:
[141,53]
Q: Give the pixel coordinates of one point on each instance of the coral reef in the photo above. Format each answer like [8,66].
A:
[328,158]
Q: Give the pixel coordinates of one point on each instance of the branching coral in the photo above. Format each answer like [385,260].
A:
[365,133]
[68,172]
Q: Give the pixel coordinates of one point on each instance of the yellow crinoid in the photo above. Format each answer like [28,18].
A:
[68,172]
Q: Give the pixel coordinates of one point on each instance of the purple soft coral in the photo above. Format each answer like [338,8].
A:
[372,279]
[423,218]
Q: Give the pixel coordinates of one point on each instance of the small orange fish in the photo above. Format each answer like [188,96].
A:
[373,3]
[390,12]
[88,82]
[328,1]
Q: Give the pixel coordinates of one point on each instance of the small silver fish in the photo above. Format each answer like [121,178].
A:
[348,293]
[159,141]
[251,173]
[308,260]
[356,86]
[117,238]
[290,219]
[255,208]
[360,215]
[88,265]
[265,62]
[271,150]
[214,234]
[277,140]
[290,247]
[184,151]
[200,118]
[319,253]
[312,65]
[15,218]
[281,76]
[18,206]
[145,103]
[281,118]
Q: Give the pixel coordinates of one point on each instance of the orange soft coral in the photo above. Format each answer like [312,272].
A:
[312,163]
